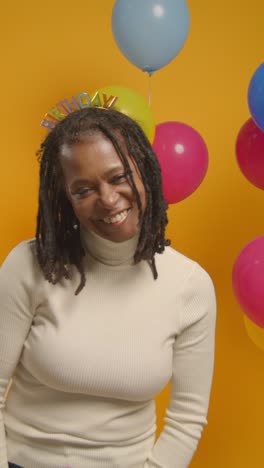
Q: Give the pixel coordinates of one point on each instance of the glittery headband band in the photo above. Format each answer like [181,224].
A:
[81,101]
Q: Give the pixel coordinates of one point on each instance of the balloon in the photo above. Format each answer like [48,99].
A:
[248,280]
[250,153]
[132,104]
[256,97]
[255,333]
[183,157]
[150,33]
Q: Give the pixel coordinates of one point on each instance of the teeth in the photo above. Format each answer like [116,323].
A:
[115,219]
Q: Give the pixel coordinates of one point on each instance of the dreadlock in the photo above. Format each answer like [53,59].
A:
[58,239]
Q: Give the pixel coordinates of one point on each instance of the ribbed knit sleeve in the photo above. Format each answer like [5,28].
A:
[193,360]
[16,314]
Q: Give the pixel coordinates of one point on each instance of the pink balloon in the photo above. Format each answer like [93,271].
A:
[248,280]
[183,157]
[250,153]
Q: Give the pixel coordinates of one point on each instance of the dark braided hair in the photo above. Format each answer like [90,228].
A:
[58,240]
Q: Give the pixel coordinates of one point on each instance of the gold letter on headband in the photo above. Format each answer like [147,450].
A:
[109,102]
[60,104]
[71,106]
[56,114]
[96,101]
[48,124]
[82,97]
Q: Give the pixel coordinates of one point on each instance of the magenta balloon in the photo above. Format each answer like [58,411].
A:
[250,153]
[183,157]
[248,280]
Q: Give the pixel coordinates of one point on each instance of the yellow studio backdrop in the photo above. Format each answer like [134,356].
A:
[54,50]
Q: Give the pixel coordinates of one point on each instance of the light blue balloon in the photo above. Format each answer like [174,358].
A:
[150,33]
[256,97]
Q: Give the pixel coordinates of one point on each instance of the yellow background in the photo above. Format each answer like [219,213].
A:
[53,50]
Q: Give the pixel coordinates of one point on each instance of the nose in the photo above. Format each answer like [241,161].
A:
[108,196]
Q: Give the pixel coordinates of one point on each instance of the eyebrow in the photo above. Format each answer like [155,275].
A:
[105,174]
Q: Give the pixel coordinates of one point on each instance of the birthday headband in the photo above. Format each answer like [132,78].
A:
[81,101]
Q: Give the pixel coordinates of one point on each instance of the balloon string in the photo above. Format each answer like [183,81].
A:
[149,91]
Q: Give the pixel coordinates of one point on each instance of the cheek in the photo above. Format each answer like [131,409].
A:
[82,210]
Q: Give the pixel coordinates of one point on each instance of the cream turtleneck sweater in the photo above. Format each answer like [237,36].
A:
[85,369]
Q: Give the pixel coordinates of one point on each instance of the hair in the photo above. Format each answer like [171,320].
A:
[58,239]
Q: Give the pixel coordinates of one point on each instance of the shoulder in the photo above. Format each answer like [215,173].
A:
[195,274]
[21,279]
[172,255]
[173,262]
[21,258]
[25,248]
[193,284]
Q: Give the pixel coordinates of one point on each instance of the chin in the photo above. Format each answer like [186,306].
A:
[120,236]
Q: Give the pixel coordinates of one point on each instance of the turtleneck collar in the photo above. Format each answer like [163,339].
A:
[108,252]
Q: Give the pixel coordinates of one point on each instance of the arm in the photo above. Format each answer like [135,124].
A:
[16,306]
[193,360]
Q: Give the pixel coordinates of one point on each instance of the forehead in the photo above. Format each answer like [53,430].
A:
[92,151]
[94,155]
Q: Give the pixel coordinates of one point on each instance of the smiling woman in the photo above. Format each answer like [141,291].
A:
[94,322]
[76,189]
[99,189]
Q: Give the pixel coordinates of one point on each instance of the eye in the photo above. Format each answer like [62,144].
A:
[82,192]
[120,178]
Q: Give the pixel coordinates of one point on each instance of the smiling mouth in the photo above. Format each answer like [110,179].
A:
[117,219]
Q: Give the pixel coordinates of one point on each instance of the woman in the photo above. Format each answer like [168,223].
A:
[93,322]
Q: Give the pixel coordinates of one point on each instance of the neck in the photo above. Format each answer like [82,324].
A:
[109,252]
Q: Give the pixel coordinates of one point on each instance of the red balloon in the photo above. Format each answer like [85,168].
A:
[248,280]
[183,157]
[250,153]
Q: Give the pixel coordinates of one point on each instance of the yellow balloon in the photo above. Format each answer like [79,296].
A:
[129,103]
[255,333]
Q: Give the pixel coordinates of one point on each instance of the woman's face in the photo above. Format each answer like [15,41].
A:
[99,190]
